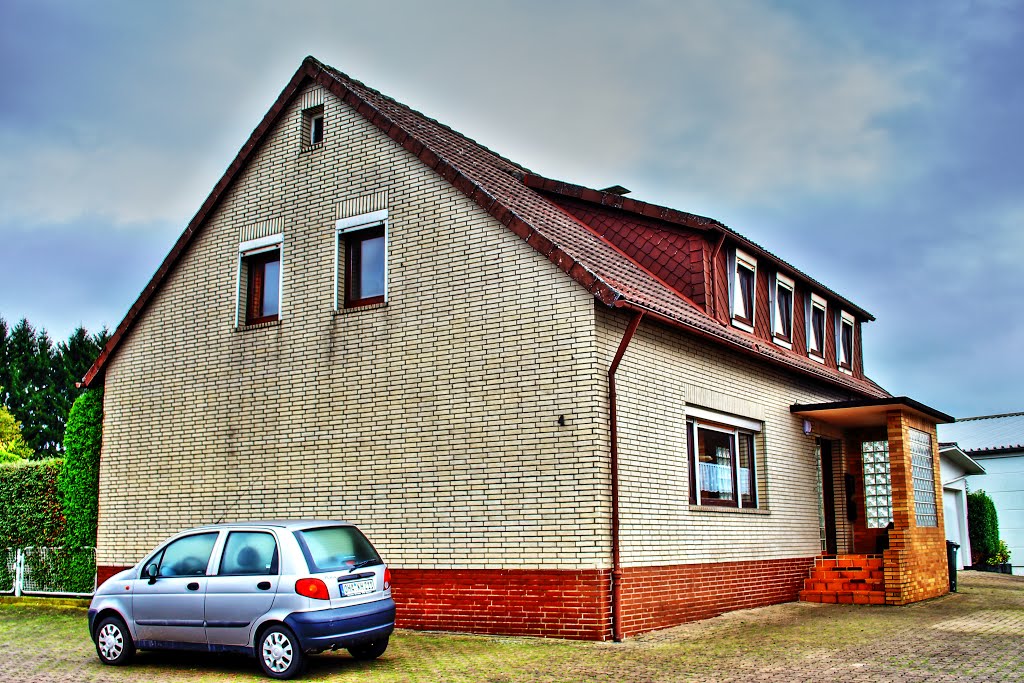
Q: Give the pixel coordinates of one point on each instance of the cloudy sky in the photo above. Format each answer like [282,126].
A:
[878,146]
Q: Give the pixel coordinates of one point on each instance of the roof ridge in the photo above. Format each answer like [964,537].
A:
[989,417]
[341,74]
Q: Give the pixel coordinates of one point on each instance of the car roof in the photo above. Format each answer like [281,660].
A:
[290,524]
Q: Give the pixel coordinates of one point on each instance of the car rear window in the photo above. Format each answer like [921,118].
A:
[335,548]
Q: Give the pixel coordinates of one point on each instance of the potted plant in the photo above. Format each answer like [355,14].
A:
[1000,561]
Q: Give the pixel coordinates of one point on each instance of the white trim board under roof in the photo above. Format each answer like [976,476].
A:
[866,412]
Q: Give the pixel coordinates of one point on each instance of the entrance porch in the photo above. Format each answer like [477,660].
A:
[883,537]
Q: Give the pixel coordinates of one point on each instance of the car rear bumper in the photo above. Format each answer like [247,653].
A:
[343,626]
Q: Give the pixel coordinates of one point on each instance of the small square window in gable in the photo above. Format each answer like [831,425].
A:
[313,127]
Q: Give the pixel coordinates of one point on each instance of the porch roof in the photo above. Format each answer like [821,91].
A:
[868,412]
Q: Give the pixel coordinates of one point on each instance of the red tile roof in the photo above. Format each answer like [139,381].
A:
[503,189]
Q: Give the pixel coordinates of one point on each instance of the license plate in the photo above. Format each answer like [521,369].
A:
[360,587]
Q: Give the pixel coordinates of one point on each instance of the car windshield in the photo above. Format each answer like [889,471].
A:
[336,548]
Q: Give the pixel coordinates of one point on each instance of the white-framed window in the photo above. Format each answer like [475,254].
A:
[313,126]
[816,310]
[722,458]
[361,260]
[782,310]
[259,280]
[844,342]
[744,290]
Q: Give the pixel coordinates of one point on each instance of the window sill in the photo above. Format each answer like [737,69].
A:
[726,509]
[816,359]
[783,343]
[357,309]
[846,371]
[258,326]
[312,148]
[746,327]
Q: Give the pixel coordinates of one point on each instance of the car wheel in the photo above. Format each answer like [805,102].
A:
[367,651]
[279,653]
[114,643]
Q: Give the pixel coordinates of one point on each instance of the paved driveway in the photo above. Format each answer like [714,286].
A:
[976,635]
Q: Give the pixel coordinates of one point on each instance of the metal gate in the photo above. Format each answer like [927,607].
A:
[67,572]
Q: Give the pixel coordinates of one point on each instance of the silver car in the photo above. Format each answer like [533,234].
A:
[276,590]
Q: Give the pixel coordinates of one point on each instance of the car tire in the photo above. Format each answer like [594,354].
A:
[279,653]
[365,652]
[114,644]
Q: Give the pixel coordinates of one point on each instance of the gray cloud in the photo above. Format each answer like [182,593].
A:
[872,144]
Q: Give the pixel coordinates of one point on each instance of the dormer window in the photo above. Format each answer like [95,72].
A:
[313,127]
[782,311]
[744,291]
[816,328]
[844,343]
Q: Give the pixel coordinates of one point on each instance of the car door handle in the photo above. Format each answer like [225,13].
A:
[263,585]
[193,586]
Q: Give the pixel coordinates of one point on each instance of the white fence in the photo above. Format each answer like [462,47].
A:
[69,572]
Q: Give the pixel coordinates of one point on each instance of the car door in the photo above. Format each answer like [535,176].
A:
[243,588]
[170,607]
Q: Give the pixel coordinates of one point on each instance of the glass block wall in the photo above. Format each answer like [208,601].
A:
[923,473]
[877,484]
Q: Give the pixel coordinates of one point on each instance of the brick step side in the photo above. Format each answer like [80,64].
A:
[844,575]
[846,579]
[851,586]
[844,597]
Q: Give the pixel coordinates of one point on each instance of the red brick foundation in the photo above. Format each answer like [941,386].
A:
[576,604]
[104,572]
[526,602]
[658,597]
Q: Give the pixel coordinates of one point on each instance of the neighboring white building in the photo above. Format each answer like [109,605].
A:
[996,442]
[956,466]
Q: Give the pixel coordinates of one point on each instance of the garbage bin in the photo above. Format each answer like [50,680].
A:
[951,549]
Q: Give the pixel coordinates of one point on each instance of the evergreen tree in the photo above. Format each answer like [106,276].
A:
[28,375]
[73,360]
[40,380]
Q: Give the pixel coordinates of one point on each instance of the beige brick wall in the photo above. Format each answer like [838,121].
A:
[431,422]
[660,373]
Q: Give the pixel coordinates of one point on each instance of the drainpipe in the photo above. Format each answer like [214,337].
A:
[714,299]
[616,555]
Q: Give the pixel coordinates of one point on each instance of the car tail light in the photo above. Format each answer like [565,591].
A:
[387,578]
[312,588]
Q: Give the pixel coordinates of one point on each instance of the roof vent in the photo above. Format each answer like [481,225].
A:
[616,189]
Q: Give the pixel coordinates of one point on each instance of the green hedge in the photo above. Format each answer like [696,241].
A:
[78,483]
[30,511]
[983,526]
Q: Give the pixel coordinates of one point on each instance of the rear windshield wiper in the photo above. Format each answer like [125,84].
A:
[364,563]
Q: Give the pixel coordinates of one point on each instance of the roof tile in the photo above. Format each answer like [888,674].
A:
[613,277]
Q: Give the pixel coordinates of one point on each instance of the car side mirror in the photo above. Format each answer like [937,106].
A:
[150,573]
